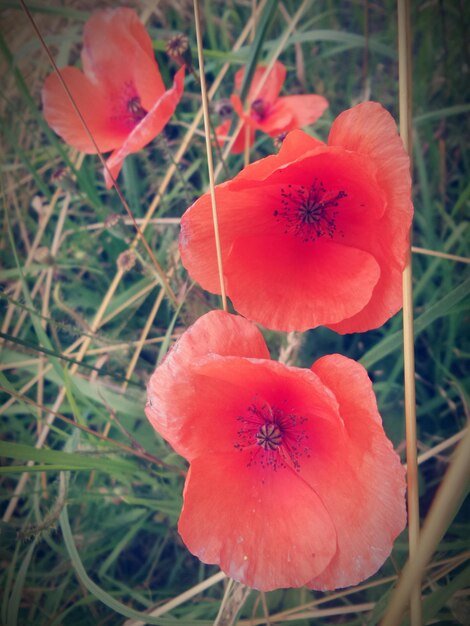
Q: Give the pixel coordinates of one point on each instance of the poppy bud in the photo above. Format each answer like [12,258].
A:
[178,49]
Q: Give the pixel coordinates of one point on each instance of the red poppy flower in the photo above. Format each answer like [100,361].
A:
[292,480]
[268,112]
[315,235]
[120,92]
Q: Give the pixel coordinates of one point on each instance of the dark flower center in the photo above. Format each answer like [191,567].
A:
[136,110]
[224,108]
[269,436]
[259,109]
[309,212]
[273,437]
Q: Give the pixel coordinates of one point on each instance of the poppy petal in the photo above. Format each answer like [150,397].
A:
[151,125]
[118,52]
[309,289]
[296,142]
[94,107]
[197,246]
[276,118]
[303,110]
[365,493]
[217,333]
[370,130]
[271,86]
[239,143]
[250,523]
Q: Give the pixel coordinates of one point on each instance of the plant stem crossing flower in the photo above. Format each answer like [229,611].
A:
[315,235]
[292,480]
[120,92]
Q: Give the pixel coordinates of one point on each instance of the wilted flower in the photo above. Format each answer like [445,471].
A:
[268,112]
[120,92]
[315,235]
[292,480]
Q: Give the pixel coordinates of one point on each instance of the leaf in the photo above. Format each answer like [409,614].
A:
[65,460]
[440,309]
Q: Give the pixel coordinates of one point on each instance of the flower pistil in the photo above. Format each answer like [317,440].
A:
[309,212]
[274,438]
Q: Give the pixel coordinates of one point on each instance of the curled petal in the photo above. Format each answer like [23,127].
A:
[152,124]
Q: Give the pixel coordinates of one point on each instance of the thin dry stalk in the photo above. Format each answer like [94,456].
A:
[440,255]
[246,151]
[234,598]
[443,509]
[181,599]
[210,163]
[447,443]
[29,259]
[282,42]
[404,71]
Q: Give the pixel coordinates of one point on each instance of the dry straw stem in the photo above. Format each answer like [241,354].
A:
[181,599]
[404,76]
[140,234]
[275,55]
[85,341]
[210,163]
[440,255]
[443,509]
[235,596]
[43,222]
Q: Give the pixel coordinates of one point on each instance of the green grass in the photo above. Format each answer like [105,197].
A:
[92,538]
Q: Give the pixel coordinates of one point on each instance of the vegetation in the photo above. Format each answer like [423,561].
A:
[89,493]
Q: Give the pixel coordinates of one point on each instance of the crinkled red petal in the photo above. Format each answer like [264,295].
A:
[216,333]
[365,493]
[151,125]
[265,530]
[371,131]
[282,283]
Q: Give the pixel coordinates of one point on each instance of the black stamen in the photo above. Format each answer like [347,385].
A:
[273,437]
[136,109]
[309,213]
